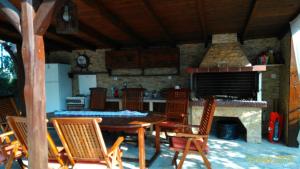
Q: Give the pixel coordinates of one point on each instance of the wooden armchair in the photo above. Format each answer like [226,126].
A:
[19,127]
[176,109]
[132,99]
[83,141]
[98,98]
[10,151]
[187,142]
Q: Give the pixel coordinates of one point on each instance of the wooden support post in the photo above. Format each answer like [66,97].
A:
[294,102]
[34,91]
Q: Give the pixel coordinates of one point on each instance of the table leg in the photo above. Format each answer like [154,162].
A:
[141,141]
[120,105]
[157,138]
[151,110]
[151,106]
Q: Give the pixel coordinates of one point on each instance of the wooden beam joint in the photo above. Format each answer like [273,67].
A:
[45,14]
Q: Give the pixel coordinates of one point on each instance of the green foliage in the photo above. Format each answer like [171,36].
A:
[8,76]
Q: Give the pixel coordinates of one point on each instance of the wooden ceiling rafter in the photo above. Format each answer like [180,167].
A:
[70,40]
[95,34]
[202,20]
[116,21]
[8,32]
[11,13]
[149,8]
[286,28]
[251,13]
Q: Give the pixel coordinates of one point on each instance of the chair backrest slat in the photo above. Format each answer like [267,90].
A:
[207,116]
[81,138]
[19,126]
[132,99]
[7,108]
[177,104]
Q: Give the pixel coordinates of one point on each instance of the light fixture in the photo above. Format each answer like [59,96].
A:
[66,16]
[66,19]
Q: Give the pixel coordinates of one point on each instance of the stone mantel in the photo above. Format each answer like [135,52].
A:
[233,103]
[256,68]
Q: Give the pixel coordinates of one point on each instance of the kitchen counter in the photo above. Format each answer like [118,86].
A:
[149,100]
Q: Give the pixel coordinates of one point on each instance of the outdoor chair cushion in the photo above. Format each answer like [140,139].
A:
[180,143]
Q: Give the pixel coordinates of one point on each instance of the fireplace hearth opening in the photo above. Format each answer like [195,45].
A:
[241,130]
[233,85]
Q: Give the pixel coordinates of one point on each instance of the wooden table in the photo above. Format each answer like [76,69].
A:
[136,124]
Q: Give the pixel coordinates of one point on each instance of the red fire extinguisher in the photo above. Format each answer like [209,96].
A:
[275,127]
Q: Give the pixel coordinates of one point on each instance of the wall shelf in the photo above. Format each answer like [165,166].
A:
[71,74]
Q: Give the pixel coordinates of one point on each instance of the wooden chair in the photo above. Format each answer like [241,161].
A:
[176,109]
[10,151]
[83,141]
[132,99]
[98,98]
[19,127]
[7,108]
[186,142]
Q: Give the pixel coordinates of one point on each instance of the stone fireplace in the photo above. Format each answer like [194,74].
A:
[226,73]
[225,51]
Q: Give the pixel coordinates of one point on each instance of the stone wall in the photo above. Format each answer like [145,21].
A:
[285,45]
[270,92]
[190,55]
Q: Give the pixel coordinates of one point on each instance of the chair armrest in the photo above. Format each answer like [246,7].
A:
[187,126]
[115,146]
[191,135]
[3,136]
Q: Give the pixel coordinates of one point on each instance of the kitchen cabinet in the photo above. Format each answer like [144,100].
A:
[143,59]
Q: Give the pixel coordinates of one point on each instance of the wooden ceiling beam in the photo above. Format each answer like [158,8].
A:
[53,36]
[12,14]
[44,15]
[158,20]
[202,19]
[115,20]
[286,28]
[93,33]
[250,16]
[7,32]
[70,40]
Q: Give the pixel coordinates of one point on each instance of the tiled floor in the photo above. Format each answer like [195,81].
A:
[223,154]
